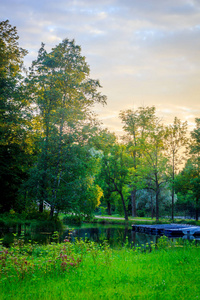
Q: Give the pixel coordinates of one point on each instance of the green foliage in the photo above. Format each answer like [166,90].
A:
[53,151]
[187,185]
[15,117]
[37,222]
[114,174]
[163,271]
[176,140]
[54,138]
[145,147]
[140,213]
[73,219]
[63,93]
[10,220]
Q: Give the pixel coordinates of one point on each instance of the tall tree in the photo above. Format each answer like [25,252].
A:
[15,129]
[195,153]
[176,140]
[187,186]
[137,124]
[187,182]
[104,142]
[154,163]
[114,173]
[63,93]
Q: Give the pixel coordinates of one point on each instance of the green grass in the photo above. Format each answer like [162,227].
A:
[136,220]
[89,271]
[114,219]
[140,220]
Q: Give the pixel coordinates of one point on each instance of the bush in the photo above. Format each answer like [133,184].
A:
[38,222]
[73,219]
[10,220]
[77,219]
[36,215]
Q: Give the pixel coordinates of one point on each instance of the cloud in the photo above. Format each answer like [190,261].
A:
[144,52]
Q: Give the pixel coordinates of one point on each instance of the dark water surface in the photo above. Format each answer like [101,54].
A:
[116,235]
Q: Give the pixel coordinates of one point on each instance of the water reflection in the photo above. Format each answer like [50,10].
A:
[117,236]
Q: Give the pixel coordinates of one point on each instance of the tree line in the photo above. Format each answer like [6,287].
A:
[53,149]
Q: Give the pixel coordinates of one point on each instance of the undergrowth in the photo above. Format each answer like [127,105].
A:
[87,270]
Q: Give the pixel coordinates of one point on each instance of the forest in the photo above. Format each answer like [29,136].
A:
[55,153]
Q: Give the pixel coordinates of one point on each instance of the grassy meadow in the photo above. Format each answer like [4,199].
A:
[86,270]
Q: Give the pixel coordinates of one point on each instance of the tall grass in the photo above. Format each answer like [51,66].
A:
[86,270]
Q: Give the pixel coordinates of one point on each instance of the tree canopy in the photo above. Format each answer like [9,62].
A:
[54,150]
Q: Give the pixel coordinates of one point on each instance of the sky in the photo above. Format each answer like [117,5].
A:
[144,52]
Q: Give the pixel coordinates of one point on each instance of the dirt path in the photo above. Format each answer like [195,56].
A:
[119,218]
[109,218]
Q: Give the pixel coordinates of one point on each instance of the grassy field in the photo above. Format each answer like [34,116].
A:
[85,270]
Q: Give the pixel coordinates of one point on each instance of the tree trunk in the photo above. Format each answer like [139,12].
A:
[157,206]
[123,201]
[133,203]
[152,208]
[44,182]
[173,188]
[172,203]
[157,200]
[133,193]
[124,206]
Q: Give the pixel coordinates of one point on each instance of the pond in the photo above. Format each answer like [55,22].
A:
[116,235]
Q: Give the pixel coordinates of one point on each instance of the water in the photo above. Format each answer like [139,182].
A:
[116,235]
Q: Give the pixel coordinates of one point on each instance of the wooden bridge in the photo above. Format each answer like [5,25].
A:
[168,229]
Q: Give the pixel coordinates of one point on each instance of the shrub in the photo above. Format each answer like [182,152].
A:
[77,219]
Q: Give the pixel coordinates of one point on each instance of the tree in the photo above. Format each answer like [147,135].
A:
[114,173]
[15,129]
[136,124]
[63,93]
[104,142]
[187,186]
[187,182]
[176,140]
[146,201]
[145,146]
[155,163]
[195,153]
